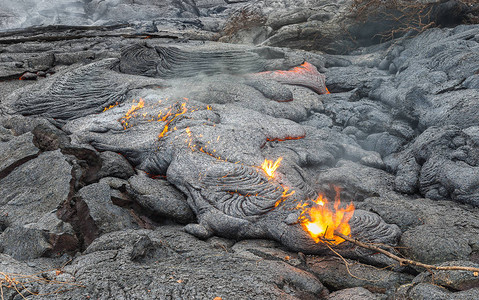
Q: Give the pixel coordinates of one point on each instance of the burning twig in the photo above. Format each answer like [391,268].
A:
[347,264]
[405,261]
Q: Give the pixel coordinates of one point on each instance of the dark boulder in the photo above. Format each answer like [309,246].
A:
[95,214]
[114,165]
[159,198]
[15,152]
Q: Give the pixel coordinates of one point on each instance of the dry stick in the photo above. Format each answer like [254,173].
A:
[346,263]
[13,282]
[404,261]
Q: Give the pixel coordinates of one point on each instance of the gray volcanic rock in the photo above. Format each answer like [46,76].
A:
[456,280]
[427,90]
[30,193]
[35,188]
[432,291]
[23,243]
[333,273]
[84,83]
[172,62]
[49,138]
[356,180]
[434,231]
[335,27]
[15,152]
[211,142]
[115,165]
[435,244]
[31,13]
[443,159]
[201,118]
[160,198]
[455,108]
[96,213]
[12,267]
[358,293]
[80,12]
[200,147]
[175,263]
[49,237]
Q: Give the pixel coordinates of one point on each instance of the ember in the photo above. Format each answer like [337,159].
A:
[269,167]
[288,138]
[321,222]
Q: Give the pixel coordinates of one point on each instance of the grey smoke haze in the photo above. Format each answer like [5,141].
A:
[25,13]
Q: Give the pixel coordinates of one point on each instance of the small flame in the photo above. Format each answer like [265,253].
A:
[168,122]
[269,167]
[110,107]
[129,114]
[321,222]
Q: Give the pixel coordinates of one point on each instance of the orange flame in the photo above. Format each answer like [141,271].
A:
[321,222]
[269,167]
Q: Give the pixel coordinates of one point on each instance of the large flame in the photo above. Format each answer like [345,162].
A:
[269,167]
[321,222]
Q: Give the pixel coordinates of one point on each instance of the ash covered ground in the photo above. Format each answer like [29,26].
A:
[132,136]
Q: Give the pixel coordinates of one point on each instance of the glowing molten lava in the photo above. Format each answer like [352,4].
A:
[305,75]
[321,222]
[269,167]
